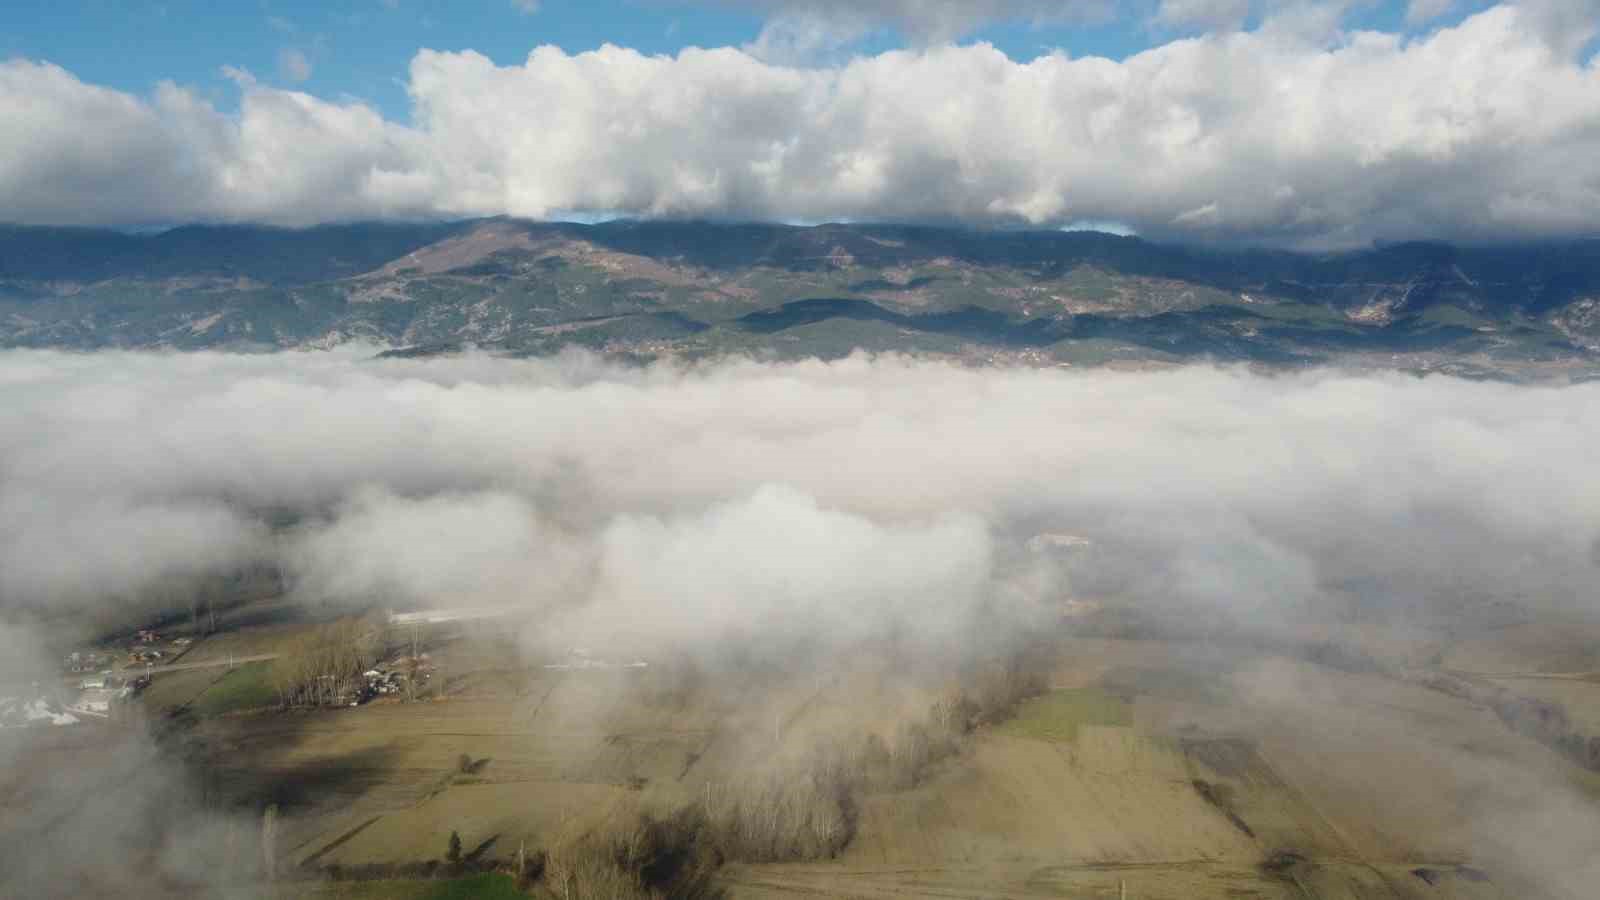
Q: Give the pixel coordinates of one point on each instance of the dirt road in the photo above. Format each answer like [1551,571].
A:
[207,664]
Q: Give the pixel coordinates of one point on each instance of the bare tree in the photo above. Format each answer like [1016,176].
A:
[326,664]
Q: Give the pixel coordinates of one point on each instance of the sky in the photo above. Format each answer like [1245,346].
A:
[1308,123]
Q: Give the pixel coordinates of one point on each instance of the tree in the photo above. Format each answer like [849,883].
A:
[269,841]
[325,664]
[454,853]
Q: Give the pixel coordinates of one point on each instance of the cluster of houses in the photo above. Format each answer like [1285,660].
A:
[144,651]
[95,681]
[108,681]
[389,677]
[98,701]
[380,682]
[86,661]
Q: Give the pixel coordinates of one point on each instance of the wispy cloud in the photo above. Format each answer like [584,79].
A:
[294,65]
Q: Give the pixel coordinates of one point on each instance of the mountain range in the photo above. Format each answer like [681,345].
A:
[692,289]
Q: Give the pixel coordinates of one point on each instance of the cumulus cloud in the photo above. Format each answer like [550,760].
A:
[1481,131]
[1249,135]
[85,154]
[1566,25]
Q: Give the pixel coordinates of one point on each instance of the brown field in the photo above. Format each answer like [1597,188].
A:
[380,783]
[1366,778]
[1543,646]
[1166,769]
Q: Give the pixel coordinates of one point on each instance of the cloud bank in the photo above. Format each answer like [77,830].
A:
[866,505]
[812,500]
[1483,131]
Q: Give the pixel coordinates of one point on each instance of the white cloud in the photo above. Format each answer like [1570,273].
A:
[526,7]
[391,549]
[475,514]
[931,20]
[1566,25]
[694,507]
[1482,131]
[85,154]
[813,498]
[740,507]
[1279,137]
[294,65]
[714,574]
[796,29]
[1205,13]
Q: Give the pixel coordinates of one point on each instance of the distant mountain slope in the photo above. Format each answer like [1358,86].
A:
[653,288]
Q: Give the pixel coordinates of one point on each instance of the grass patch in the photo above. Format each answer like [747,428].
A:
[247,687]
[487,886]
[170,690]
[1058,715]
[1199,685]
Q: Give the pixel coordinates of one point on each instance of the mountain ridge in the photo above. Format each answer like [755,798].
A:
[653,288]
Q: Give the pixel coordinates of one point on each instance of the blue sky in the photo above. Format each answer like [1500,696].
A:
[361,48]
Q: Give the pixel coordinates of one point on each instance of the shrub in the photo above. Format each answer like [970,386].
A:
[644,858]
[802,810]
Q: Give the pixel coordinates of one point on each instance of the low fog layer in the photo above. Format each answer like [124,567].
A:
[680,511]
[809,499]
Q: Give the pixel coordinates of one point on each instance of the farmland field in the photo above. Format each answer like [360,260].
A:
[1058,715]
[1164,768]
[473,887]
[247,687]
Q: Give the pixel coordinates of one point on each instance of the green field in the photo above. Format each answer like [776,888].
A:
[489,886]
[1058,715]
[247,687]
[172,690]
